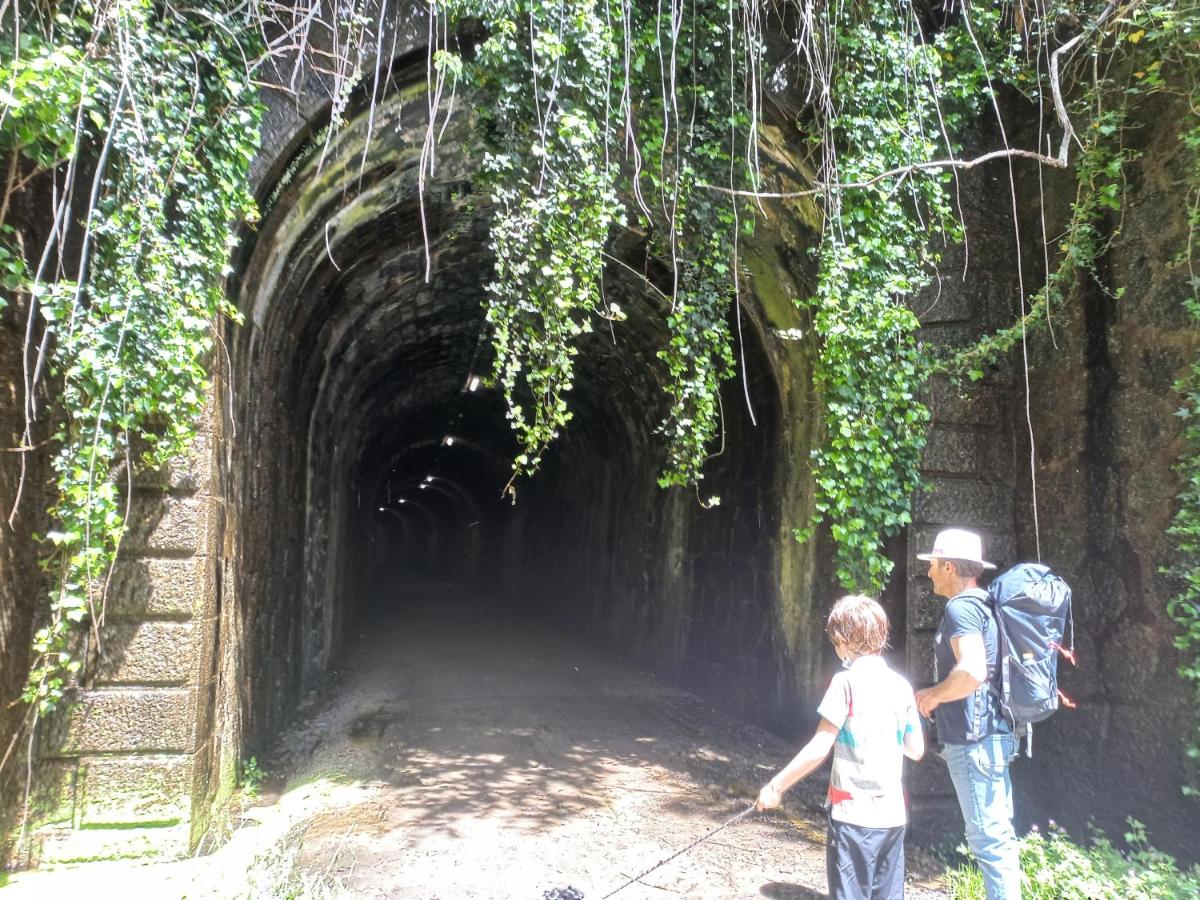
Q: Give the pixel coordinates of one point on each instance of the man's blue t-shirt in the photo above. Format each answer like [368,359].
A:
[977,715]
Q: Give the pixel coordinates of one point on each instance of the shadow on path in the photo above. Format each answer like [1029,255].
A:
[499,759]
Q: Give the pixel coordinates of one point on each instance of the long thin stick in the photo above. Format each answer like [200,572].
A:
[745,812]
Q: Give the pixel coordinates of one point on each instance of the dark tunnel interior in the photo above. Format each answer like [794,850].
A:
[369,450]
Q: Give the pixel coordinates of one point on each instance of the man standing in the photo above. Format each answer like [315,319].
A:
[978,741]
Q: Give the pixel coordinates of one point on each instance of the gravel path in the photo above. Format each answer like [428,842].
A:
[503,760]
[465,753]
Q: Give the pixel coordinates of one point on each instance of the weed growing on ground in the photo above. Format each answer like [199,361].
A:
[252,778]
[274,875]
[1056,868]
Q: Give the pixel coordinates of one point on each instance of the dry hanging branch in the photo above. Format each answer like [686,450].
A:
[1057,162]
[901,171]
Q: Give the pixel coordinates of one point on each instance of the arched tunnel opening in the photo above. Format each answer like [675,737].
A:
[369,450]
[343,491]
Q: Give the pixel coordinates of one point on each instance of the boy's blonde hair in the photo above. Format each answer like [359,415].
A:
[859,624]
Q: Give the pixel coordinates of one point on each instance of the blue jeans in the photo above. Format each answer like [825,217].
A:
[980,775]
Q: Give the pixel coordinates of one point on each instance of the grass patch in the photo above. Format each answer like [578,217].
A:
[1056,868]
[275,875]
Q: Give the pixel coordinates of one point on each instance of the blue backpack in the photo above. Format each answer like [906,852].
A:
[1032,608]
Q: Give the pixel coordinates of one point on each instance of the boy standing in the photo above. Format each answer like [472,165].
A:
[869,719]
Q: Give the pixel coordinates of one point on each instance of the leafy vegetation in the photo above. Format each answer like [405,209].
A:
[599,117]
[1057,868]
[566,91]
[166,107]
[874,260]
[252,777]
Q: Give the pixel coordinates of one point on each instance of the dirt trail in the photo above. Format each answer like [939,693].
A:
[463,752]
[503,760]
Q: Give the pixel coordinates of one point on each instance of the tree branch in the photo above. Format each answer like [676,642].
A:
[1060,108]
[903,171]
[1057,162]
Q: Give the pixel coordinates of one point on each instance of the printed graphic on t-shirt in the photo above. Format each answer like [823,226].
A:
[875,712]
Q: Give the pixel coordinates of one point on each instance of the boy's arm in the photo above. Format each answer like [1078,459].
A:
[914,737]
[810,756]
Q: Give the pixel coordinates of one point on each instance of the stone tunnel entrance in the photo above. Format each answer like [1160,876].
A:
[365,448]
[355,450]
[354,447]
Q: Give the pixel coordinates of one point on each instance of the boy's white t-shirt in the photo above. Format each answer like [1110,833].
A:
[875,713]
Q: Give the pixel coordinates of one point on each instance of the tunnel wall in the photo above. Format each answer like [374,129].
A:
[22,583]
[969,463]
[232,593]
[1102,407]
[347,353]
[688,588]
[120,770]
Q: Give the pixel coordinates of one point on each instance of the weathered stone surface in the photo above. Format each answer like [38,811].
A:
[963,451]
[924,606]
[125,720]
[928,778]
[937,819]
[920,658]
[166,524]
[965,502]
[973,302]
[965,404]
[88,845]
[159,587]
[184,474]
[1131,654]
[54,791]
[943,302]
[941,337]
[156,653]
[119,790]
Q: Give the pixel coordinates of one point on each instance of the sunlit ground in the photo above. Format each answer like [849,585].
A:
[464,754]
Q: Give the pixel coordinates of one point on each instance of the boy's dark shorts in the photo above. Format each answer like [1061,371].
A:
[864,863]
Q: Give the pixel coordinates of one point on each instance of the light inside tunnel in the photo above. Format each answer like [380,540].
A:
[356,383]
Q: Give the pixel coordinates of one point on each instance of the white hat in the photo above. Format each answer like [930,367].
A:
[957,543]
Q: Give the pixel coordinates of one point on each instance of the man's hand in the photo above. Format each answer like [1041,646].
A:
[927,702]
[969,671]
[768,798]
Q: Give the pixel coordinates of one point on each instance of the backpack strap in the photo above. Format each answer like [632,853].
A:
[1005,663]
[1003,667]
[980,596]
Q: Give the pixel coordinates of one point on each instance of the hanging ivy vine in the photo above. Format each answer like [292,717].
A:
[599,115]
[163,106]
[869,369]
[897,99]
[542,74]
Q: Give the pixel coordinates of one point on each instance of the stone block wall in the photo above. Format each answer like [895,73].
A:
[968,468]
[1106,438]
[971,487]
[123,770]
